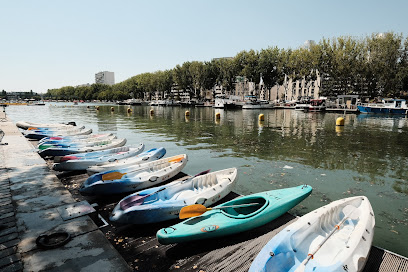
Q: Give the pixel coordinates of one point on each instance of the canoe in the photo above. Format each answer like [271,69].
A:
[77,163]
[60,151]
[71,144]
[165,202]
[268,206]
[346,249]
[134,178]
[74,139]
[39,134]
[147,156]
[26,125]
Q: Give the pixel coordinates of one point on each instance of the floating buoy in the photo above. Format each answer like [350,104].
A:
[87,107]
[112,109]
[339,130]
[129,110]
[261,117]
[340,121]
[151,112]
[187,113]
[218,115]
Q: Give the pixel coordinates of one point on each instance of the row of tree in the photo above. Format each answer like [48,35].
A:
[376,65]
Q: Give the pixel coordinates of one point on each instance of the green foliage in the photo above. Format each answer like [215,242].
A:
[376,65]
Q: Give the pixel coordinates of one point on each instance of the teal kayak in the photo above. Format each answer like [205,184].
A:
[264,207]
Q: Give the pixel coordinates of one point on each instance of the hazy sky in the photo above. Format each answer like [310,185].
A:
[48,44]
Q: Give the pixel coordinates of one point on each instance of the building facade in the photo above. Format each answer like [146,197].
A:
[105,77]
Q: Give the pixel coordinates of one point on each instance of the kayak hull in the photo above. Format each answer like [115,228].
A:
[147,156]
[134,179]
[349,245]
[55,151]
[221,222]
[170,198]
[82,163]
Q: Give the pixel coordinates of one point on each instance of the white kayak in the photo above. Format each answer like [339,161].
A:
[335,237]
[26,125]
[80,143]
[75,138]
[164,202]
[39,134]
[147,156]
[77,162]
[61,151]
[134,178]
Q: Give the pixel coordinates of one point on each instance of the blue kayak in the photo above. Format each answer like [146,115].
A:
[262,208]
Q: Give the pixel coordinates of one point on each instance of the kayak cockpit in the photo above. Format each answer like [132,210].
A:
[260,203]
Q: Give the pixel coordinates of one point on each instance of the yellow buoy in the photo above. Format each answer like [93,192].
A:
[218,115]
[129,110]
[261,117]
[151,112]
[340,121]
[112,109]
[187,113]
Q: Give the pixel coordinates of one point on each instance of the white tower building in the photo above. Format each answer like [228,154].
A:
[105,77]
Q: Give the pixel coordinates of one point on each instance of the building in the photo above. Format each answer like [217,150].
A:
[105,77]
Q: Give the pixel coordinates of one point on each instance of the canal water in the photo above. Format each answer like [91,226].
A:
[368,156]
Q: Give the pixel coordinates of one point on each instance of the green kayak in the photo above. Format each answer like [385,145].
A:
[220,222]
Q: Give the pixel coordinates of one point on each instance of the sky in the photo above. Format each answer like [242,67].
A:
[46,44]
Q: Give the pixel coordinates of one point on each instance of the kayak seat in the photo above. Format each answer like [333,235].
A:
[242,212]
[185,194]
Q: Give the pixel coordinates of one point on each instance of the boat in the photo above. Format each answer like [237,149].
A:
[252,211]
[316,105]
[387,106]
[75,138]
[26,125]
[226,102]
[134,178]
[252,102]
[147,156]
[302,105]
[83,161]
[42,133]
[164,202]
[341,232]
[61,151]
[79,143]
[133,102]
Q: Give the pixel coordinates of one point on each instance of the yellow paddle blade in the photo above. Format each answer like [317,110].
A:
[32,128]
[192,210]
[113,175]
[178,159]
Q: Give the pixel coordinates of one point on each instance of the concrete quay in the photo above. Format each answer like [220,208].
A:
[32,203]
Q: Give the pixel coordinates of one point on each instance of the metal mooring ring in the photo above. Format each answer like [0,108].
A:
[53,240]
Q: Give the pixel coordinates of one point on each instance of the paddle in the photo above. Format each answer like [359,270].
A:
[137,200]
[302,266]
[198,209]
[113,175]
[119,175]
